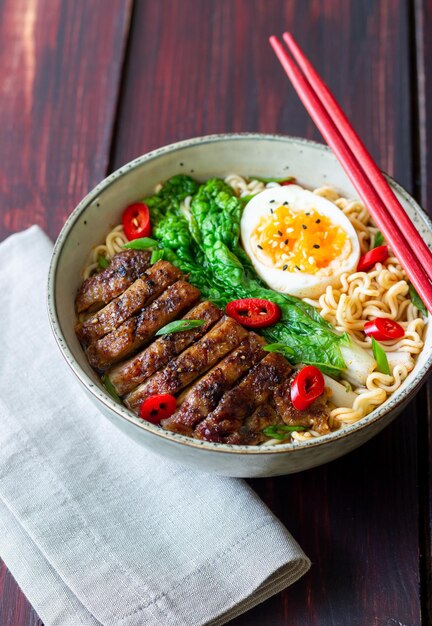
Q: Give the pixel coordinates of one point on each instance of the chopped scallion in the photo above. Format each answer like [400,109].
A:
[416,300]
[380,357]
[281,348]
[179,325]
[281,431]
[263,179]
[102,262]
[141,244]
[110,388]
[378,240]
[157,255]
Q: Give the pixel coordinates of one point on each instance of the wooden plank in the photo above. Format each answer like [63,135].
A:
[60,64]
[422,83]
[198,67]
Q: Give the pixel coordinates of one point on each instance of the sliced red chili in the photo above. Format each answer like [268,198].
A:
[306,387]
[136,221]
[158,407]
[288,181]
[254,312]
[383,329]
[368,260]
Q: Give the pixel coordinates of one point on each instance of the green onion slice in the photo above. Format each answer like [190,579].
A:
[416,300]
[179,325]
[281,348]
[378,240]
[245,199]
[263,179]
[380,357]
[102,262]
[280,431]
[110,388]
[141,244]
[157,255]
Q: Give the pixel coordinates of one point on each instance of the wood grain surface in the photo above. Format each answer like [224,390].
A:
[71,110]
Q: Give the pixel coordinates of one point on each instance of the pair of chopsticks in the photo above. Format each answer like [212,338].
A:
[372,187]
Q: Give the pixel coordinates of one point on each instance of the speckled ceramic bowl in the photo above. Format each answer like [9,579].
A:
[265,155]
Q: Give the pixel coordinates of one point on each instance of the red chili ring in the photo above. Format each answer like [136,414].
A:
[368,260]
[158,407]
[254,312]
[136,221]
[306,387]
[383,329]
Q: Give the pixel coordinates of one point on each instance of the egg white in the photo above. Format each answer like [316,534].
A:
[300,284]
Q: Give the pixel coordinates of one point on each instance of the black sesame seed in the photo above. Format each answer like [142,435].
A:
[284,267]
[297,268]
[286,203]
[307,213]
[316,246]
[260,247]
[272,201]
[286,241]
[317,221]
[279,233]
[304,226]
[181,164]
[271,211]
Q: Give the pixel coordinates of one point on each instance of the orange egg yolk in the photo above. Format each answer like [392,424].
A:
[298,241]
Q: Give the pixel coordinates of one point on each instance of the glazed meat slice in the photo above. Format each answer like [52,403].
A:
[138,330]
[126,376]
[207,392]
[256,389]
[316,416]
[250,432]
[145,289]
[104,286]
[192,363]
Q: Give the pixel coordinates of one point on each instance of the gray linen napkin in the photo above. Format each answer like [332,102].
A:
[96,529]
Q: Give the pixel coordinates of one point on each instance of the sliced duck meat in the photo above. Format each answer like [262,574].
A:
[128,375]
[138,330]
[191,363]
[250,432]
[101,288]
[205,394]
[145,289]
[257,388]
[316,416]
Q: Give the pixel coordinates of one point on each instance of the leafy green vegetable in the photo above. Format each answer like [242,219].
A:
[378,240]
[102,262]
[416,300]
[380,357]
[281,431]
[179,325]
[262,179]
[204,243]
[141,244]
[110,388]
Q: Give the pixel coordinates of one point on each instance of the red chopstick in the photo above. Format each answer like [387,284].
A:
[333,136]
[380,184]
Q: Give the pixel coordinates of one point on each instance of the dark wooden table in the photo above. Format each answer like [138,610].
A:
[87,85]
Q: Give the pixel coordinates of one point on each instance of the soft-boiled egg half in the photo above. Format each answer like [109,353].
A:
[298,242]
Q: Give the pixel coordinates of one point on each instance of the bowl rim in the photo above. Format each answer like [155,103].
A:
[120,411]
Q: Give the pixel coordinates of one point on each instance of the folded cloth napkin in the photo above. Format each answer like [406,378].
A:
[96,529]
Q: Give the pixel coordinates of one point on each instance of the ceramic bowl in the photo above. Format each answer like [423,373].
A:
[248,154]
